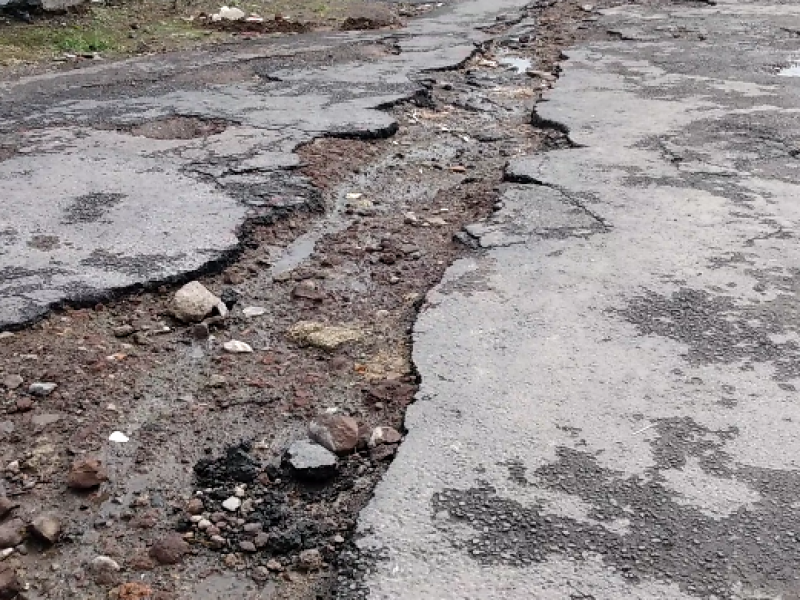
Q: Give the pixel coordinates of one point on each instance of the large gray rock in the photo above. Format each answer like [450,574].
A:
[311,461]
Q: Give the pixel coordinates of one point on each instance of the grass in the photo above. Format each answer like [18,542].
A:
[139,26]
[76,41]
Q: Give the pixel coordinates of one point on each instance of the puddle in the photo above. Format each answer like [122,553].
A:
[790,71]
[517,63]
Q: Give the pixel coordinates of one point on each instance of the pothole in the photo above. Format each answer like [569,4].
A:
[176,128]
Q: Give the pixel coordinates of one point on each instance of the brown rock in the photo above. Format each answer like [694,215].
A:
[261,540]
[47,528]
[6,506]
[141,562]
[169,550]
[12,382]
[12,533]
[383,452]
[384,435]
[86,474]
[337,433]
[274,565]
[134,591]
[24,404]
[247,546]
[195,506]
[10,586]
[310,560]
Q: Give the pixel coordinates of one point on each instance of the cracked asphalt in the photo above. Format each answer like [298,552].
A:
[608,406]
[607,402]
[157,200]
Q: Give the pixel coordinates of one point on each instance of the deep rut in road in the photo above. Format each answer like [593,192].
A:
[201,422]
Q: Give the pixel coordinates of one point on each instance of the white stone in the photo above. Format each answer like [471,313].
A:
[119,437]
[231,13]
[253,311]
[237,347]
[104,563]
[232,504]
[194,302]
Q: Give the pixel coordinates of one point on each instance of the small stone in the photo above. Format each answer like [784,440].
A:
[123,331]
[383,452]
[247,546]
[253,311]
[12,533]
[194,302]
[411,218]
[274,565]
[204,524]
[230,561]
[233,277]
[437,222]
[319,335]
[200,332]
[217,541]
[46,527]
[42,388]
[104,563]
[231,13]
[237,347]
[252,527]
[195,506]
[12,382]
[86,473]
[6,506]
[22,549]
[169,550]
[23,405]
[118,437]
[217,381]
[337,433]
[232,504]
[261,540]
[240,491]
[260,574]
[13,467]
[133,591]
[310,560]
[311,461]
[338,540]
[384,435]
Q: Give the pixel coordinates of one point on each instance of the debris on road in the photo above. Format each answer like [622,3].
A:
[311,461]
[86,474]
[325,337]
[42,388]
[337,433]
[46,527]
[194,302]
[237,347]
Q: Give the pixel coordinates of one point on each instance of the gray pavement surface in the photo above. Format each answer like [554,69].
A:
[609,404]
[145,171]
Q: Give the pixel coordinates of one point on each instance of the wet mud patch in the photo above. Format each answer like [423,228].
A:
[718,329]
[638,525]
[176,128]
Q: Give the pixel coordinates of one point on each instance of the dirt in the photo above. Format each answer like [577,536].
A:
[205,426]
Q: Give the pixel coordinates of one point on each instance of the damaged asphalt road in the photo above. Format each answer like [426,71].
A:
[608,406]
[603,380]
[119,176]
